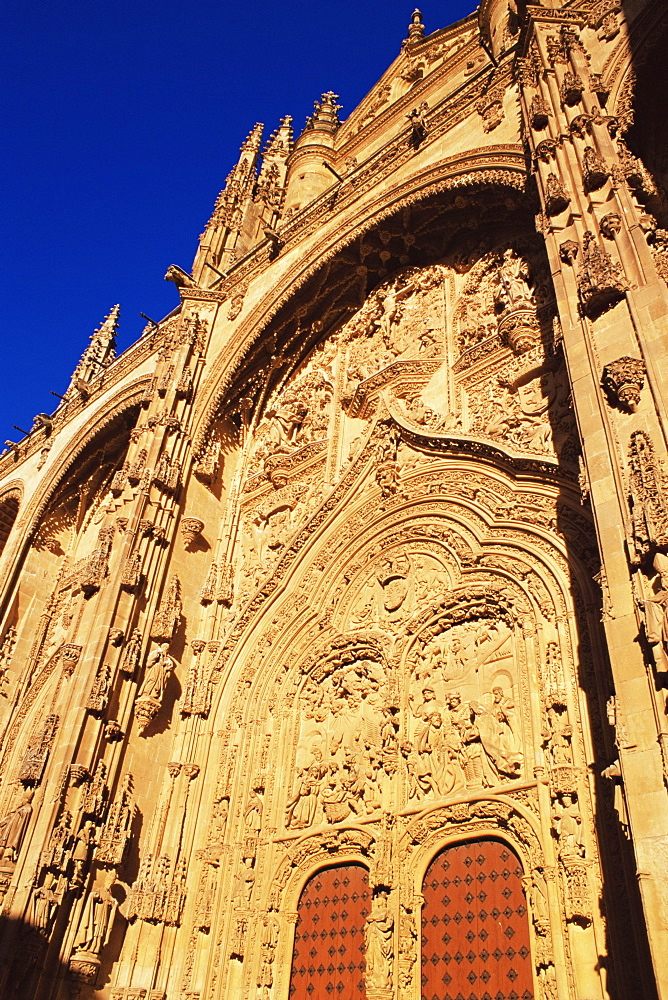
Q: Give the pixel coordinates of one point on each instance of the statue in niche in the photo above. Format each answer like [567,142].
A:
[97,920]
[13,827]
[244,882]
[45,903]
[656,614]
[159,668]
[536,893]
[513,290]
[284,424]
[567,821]
[558,737]
[83,845]
[378,932]
[253,813]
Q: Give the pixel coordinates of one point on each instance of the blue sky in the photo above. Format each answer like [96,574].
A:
[121,122]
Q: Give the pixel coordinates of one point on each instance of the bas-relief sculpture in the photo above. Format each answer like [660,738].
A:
[318,585]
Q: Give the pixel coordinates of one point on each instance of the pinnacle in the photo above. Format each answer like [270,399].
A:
[253,139]
[109,324]
[281,138]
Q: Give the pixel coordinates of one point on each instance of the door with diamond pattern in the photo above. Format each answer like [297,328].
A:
[475,929]
[328,954]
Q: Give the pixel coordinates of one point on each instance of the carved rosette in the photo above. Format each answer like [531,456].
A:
[623,380]
[191,528]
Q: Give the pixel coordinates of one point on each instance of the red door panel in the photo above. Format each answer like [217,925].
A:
[475,930]
[328,955]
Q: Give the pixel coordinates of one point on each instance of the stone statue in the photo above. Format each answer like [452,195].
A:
[244,882]
[84,842]
[568,825]
[656,614]
[45,904]
[13,827]
[512,290]
[378,943]
[253,813]
[284,425]
[159,667]
[97,920]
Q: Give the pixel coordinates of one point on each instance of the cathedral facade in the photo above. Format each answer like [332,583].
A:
[334,612]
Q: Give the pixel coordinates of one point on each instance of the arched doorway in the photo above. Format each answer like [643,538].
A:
[328,953]
[475,930]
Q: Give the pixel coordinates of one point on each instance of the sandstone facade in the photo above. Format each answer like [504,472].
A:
[334,632]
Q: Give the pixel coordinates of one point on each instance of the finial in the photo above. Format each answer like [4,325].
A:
[325,114]
[415,28]
[98,355]
[253,139]
[281,141]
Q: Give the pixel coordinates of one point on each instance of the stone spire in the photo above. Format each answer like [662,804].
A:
[98,355]
[221,236]
[280,141]
[269,189]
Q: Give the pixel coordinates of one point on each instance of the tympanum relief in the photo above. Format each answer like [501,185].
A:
[386,720]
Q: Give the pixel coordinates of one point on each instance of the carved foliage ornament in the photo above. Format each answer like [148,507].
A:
[623,380]
[647,491]
[600,282]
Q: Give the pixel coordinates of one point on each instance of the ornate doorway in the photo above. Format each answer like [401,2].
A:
[475,931]
[328,955]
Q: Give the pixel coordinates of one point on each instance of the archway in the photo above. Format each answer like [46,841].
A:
[475,930]
[328,954]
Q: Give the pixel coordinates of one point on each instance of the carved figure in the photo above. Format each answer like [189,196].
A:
[378,943]
[13,827]
[97,921]
[284,425]
[568,825]
[45,903]
[244,882]
[253,813]
[513,290]
[656,614]
[159,667]
[84,843]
